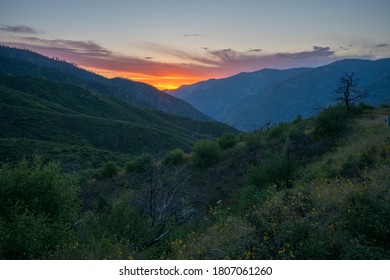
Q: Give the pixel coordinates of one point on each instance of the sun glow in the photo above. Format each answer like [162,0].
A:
[169,81]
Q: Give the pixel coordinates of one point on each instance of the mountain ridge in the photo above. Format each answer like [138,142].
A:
[25,62]
[272,95]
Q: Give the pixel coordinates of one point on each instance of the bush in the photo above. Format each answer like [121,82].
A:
[38,206]
[141,163]
[254,140]
[145,161]
[109,170]
[226,141]
[329,121]
[278,131]
[174,157]
[275,170]
[132,165]
[326,219]
[205,152]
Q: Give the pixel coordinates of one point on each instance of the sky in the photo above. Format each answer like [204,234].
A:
[168,43]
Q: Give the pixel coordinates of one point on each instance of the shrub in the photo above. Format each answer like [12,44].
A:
[329,121]
[205,152]
[326,219]
[275,170]
[253,140]
[132,165]
[145,161]
[109,170]
[226,141]
[278,131]
[174,157]
[38,206]
[141,163]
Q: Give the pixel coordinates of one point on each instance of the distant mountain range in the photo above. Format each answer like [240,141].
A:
[248,101]
[23,62]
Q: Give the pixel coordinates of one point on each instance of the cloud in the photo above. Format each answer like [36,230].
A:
[193,35]
[315,53]
[224,54]
[85,47]
[381,45]
[18,29]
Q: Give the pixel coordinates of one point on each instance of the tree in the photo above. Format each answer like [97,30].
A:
[348,88]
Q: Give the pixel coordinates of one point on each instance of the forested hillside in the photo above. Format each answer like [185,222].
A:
[82,129]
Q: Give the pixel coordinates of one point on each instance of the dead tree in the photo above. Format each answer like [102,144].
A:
[164,201]
[350,93]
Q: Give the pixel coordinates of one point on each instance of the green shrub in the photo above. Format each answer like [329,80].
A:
[205,152]
[329,121]
[38,206]
[278,131]
[174,157]
[253,140]
[146,161]
[275,170]
[143,162]
[226,141]
[132,165]
[109,170]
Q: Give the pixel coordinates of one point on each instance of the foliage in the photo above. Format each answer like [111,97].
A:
[328,219]
[144,162]
[205,152]
[174,157]
[109,170]
[329,122]
[278,130]
[226,141]
[38,208]
[276,169]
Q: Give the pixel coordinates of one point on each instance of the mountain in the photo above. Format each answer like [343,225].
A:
[83,129]
[247,101]
[24,62]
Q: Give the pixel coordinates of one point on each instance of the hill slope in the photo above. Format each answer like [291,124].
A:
[24,62]
[34,109]
[311,189]
[248,100]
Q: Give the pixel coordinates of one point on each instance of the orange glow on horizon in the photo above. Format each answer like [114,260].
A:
[168,81]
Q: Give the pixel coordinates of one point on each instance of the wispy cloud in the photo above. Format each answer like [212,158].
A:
[85,47]
[193,35]
[18,29]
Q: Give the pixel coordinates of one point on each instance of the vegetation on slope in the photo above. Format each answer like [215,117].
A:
[311,189]
[45,114]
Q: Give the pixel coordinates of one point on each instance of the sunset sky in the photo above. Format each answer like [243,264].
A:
[169,43]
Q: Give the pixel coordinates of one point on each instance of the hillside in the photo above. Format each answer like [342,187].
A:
[250,100]
[311,189]
[24,62]
[45,113]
